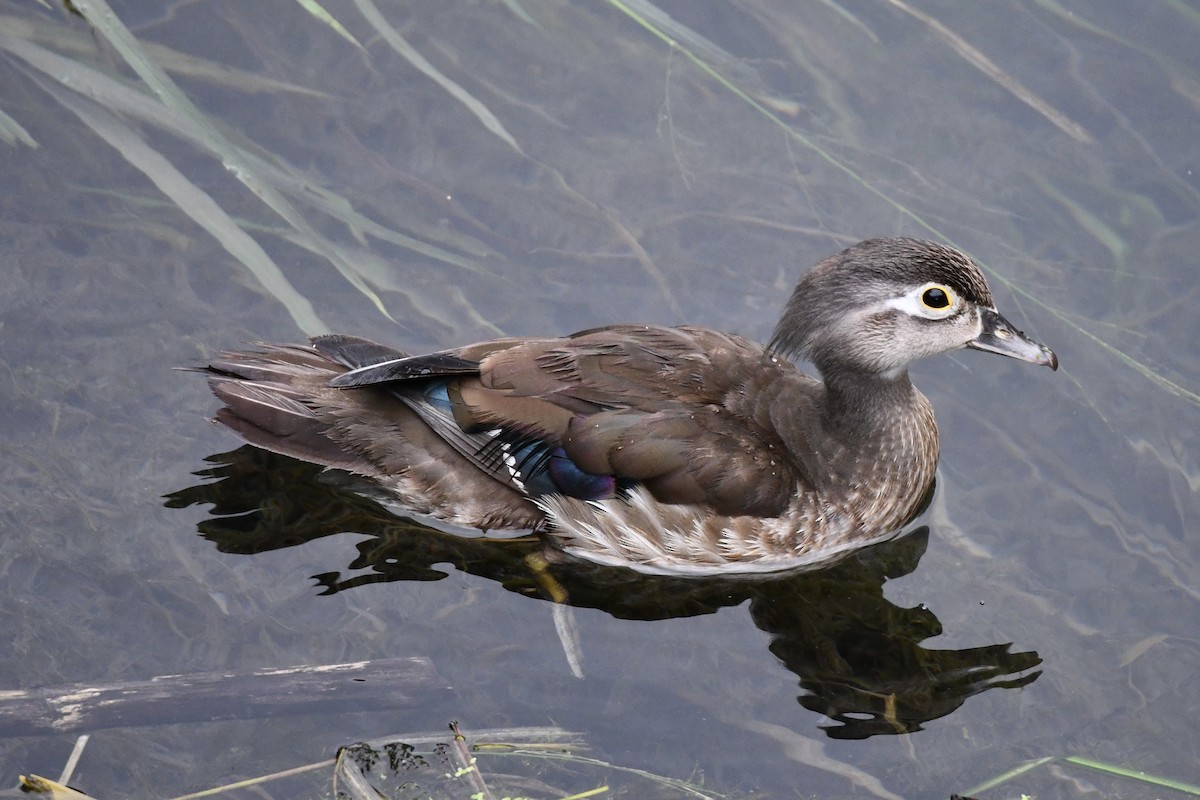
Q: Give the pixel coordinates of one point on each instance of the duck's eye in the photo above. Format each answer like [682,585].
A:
[935,301]
[936,298]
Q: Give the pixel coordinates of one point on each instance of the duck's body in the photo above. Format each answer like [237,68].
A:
[664,449]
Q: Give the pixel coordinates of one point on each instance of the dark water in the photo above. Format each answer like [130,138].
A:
[1052,609]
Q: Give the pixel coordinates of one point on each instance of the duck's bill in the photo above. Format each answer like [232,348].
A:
[999,336]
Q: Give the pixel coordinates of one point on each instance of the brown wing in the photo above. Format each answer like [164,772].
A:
[666,407]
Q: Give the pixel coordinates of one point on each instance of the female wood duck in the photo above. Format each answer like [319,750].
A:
[668,450]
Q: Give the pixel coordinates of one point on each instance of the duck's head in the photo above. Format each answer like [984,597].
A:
[880,305]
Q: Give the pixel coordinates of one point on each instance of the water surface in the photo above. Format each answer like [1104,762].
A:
[565,168]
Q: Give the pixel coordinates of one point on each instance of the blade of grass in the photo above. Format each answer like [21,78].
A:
[1091,223]
[1136,775]
[688,789]
[1187,11]
[518,11]
[985,65]
[73,759]
[1100,766]
[1008,775]
[13,133]
[466,765]
[599,790]
[693,42]
[419,62]
[256,781]
[852,18]
[318,11]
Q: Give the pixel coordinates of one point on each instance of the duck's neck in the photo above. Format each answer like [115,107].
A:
[859,435]
[865,406]
[882,447]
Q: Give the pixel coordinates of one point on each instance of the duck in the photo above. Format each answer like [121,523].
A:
[667,450]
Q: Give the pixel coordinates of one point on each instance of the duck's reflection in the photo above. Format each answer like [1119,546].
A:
[858,656]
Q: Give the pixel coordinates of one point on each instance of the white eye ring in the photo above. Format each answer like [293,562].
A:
[921,302]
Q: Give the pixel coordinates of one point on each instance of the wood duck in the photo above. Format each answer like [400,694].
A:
[670,450]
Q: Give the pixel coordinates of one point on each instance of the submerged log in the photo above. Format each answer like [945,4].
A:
[206,696]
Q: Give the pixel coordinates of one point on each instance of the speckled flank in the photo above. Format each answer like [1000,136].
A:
[660,538]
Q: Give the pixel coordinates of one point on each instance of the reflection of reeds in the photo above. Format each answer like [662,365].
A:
[103,102]
[707,60]
[93,95]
